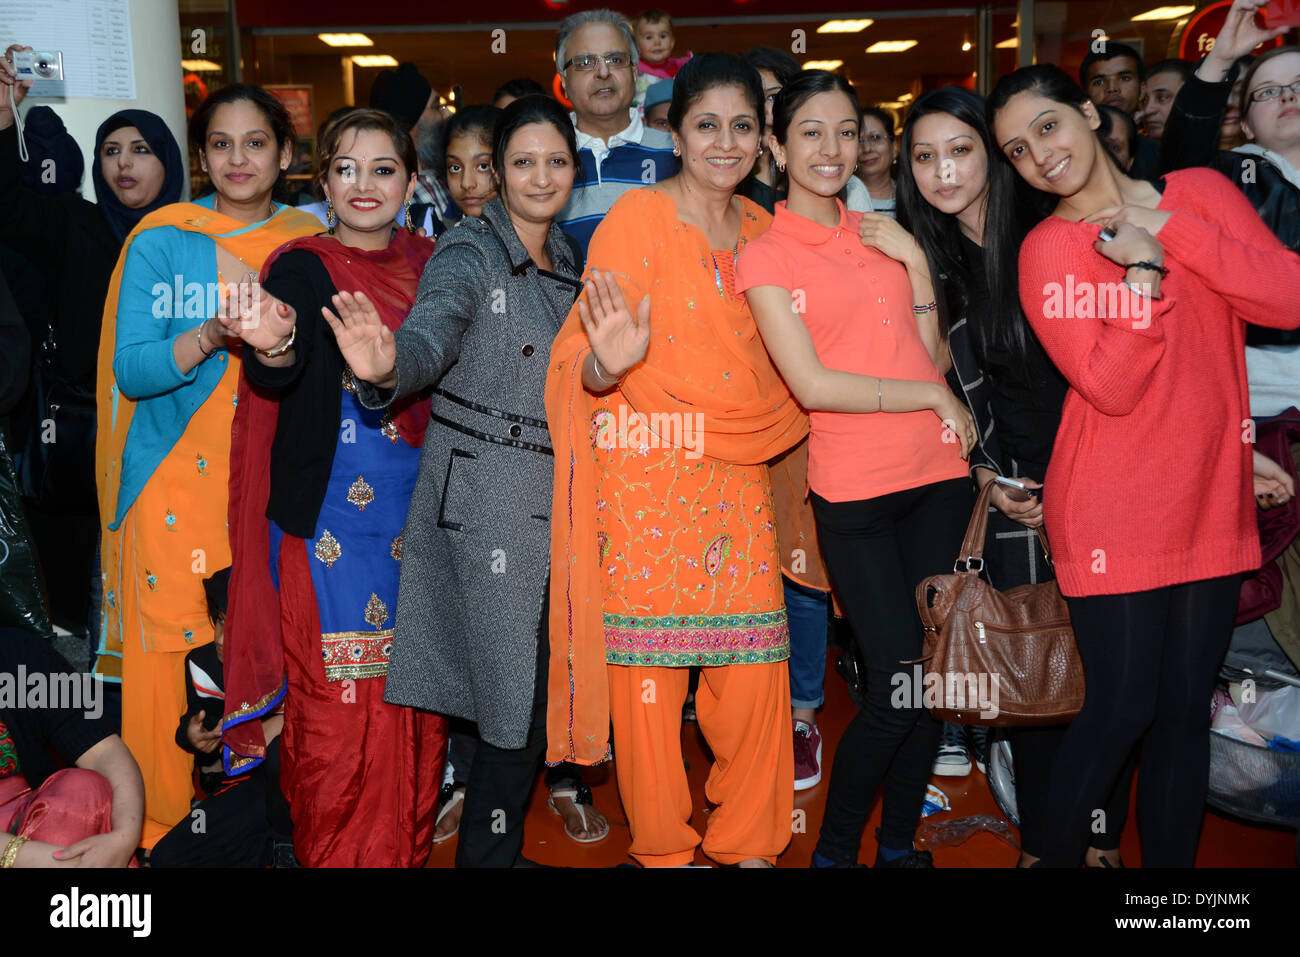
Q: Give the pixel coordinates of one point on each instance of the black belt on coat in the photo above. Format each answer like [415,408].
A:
[514,441]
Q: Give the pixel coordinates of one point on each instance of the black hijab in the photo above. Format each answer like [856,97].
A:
[121,220]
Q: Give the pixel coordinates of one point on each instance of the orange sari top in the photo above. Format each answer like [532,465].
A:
[705,356]
[164,602]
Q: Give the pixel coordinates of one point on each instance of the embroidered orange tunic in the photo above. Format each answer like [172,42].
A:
[666,473]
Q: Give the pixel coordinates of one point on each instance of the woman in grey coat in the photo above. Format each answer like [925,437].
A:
[476,547]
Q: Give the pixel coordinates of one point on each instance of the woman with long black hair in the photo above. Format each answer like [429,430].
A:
[1147,497]
[969,212]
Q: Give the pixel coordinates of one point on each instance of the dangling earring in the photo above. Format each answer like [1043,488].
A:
[410,226]
[676,151]
[780,167]
[331,217]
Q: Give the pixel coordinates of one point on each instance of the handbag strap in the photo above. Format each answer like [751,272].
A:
[971,557]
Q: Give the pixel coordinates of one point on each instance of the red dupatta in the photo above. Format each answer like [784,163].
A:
[254,653]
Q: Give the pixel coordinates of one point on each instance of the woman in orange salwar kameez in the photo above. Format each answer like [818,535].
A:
[168,380]
[664,550]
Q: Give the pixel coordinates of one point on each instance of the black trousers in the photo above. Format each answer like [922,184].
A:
[233,827]
[877,551]
[1033,751]
[1150,660]
[501,780]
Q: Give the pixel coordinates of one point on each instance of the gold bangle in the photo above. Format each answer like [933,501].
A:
[281,350]
[11,852]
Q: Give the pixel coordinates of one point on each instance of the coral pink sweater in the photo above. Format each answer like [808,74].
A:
[1150,479]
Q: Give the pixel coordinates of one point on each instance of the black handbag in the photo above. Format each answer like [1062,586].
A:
[58,461]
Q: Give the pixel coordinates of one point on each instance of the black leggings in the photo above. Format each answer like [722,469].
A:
[877,551]
[1150,660]
[1033,754]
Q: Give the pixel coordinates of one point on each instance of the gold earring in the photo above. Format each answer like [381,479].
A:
[331,217]
[410,226]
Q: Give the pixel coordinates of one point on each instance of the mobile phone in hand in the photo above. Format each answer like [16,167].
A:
[1282,13]
[1016,490]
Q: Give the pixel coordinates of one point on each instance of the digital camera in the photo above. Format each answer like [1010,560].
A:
[39,65]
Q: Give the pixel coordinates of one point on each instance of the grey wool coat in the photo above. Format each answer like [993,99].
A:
[476,546]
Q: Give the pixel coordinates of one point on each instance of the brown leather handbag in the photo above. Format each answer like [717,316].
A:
[999,658]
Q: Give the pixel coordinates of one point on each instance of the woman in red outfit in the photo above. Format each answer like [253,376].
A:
[319,493]
[1140,292]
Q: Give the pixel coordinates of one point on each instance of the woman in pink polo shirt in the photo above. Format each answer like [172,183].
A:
[854,331]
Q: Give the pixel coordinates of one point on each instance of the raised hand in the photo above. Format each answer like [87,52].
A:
[367,344]
[9,78]
[618,338]
[1239,36]
[1273,484]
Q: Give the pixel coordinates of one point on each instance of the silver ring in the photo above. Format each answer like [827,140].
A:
[1106,234]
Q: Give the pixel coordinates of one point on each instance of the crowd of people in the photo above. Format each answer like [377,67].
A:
[536,432]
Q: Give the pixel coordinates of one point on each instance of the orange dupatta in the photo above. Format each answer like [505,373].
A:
[115,410]
[749,418]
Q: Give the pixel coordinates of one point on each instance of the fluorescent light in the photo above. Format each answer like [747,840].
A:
[346,39]
[844,26]
[823,65]
[1008,44]
[965,47]
[200,66]
[1166,13]
[381,59]
[891,46]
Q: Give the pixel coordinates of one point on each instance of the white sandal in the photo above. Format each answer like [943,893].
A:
[457,796]
[580,796]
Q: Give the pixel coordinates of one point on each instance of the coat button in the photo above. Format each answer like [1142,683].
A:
[527,350]
[515,431]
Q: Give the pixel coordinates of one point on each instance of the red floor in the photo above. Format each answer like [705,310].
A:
[1224,842]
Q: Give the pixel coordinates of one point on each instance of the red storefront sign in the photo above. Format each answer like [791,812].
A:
[1198,36]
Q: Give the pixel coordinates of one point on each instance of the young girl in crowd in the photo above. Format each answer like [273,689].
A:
[653,30]
[318,581]
[471,181]
[890,490]
[472,639]
[167,391]
[969,213]
[1156,369]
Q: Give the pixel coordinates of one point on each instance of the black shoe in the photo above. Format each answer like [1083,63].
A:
[912,858]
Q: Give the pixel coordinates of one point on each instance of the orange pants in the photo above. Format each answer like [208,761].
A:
[153,700]
[744,713]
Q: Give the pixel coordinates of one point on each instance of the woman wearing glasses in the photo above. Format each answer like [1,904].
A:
[877,154]
[1266,169]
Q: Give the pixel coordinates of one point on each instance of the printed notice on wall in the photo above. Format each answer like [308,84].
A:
[94,37]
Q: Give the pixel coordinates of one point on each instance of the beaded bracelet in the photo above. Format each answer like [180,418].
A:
[1153,267]
[930,306]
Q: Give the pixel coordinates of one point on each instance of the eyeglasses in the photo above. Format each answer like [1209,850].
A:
[875,139]
[1272,92]
[587,62]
